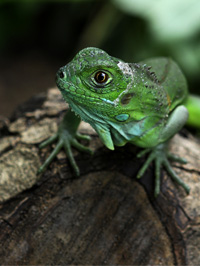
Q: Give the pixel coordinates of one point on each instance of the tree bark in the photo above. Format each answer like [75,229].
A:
[105,216]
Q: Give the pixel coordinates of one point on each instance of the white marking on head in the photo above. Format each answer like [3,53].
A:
[127,70]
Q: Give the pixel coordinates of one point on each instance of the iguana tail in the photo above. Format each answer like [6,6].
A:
[193,106]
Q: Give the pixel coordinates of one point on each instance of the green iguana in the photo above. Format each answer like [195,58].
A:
[144,103]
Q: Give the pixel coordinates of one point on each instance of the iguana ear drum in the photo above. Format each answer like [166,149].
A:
[126,98]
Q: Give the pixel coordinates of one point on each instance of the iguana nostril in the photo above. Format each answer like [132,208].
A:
[61,74]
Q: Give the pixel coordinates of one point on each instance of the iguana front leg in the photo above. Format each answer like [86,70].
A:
[160,154]
[66,138]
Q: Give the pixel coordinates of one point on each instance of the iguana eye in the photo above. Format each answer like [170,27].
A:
[101,77]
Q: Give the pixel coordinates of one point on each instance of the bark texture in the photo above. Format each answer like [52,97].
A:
[105,216]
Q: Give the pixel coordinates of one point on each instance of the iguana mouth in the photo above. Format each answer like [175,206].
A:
[70,91]
[77,95]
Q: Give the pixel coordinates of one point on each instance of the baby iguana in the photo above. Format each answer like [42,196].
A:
[145,104]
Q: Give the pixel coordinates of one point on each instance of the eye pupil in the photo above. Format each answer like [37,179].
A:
[101,77]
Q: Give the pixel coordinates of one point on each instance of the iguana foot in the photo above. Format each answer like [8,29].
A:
[66,138]
[160,155]
[66,143]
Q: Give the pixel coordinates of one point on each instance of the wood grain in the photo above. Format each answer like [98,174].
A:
[105,216]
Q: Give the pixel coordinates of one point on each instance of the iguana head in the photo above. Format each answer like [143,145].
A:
[93,82]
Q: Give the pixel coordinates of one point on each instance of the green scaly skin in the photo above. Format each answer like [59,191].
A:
[144,104]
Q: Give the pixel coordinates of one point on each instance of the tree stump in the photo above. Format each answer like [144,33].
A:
[105,216]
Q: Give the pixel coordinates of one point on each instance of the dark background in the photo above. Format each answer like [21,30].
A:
[37,37]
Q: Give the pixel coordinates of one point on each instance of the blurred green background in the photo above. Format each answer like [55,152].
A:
[37,37]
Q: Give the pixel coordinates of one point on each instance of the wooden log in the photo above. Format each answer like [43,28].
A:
[105,216]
